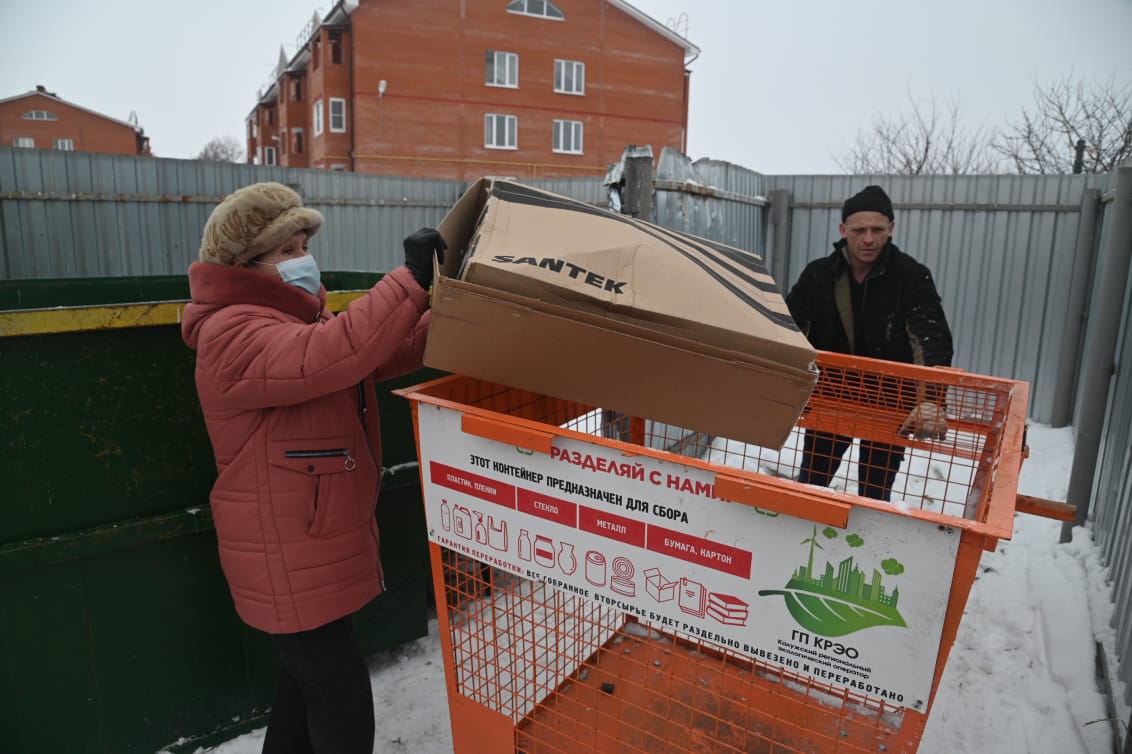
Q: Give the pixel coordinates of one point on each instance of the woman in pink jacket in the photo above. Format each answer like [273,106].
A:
[287,393]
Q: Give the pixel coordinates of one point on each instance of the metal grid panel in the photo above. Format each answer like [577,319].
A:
[578,674]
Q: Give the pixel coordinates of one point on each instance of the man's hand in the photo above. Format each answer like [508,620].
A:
[926,421]
[419,250]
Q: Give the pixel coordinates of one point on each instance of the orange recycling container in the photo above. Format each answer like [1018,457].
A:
[610,584]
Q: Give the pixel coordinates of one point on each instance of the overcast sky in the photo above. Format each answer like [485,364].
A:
[780,87]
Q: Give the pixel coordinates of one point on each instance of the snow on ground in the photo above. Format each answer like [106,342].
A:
[1019,680]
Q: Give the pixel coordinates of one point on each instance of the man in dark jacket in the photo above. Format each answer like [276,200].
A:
[870,299]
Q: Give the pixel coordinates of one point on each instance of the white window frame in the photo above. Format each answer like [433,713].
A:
[316,117]
[577,71]
[269,155]
[568,137]
[508,63]
[341,127]
[39,115]
[65,145]
[538,8]
[25,142]
[493,124]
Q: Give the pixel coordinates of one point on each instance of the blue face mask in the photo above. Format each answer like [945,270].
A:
[301,272]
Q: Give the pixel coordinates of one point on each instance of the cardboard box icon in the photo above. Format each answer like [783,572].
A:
[661,589]
[553,295]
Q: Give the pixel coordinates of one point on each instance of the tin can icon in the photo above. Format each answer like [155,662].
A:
[595,568]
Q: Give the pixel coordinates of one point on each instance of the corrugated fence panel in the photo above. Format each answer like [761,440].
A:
[76,214]
[589,190]
[1110,508]
[1000,247]
[712,199]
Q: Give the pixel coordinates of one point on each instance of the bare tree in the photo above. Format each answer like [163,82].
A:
[922,142]
[222,149]
[1075,127]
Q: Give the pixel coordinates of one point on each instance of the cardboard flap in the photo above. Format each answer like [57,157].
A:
[562,251]
[556,296]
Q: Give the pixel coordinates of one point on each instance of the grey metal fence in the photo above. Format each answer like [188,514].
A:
[1016,259]
[1104,482]
[1011,255]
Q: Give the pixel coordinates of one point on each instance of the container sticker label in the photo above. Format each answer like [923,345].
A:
[859,608]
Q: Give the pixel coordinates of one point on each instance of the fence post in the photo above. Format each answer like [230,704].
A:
[1084,257]
[636,197]
[779,222]
[1100,349]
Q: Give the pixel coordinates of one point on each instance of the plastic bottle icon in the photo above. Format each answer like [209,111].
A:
[524,545]
[480,530]
[463,522]
[445,515]
[566,560]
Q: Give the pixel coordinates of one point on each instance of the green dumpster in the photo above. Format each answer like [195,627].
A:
[117,633]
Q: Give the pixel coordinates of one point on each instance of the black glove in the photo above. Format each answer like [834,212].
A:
[419,248]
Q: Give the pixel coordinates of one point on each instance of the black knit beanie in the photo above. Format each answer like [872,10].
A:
[868,199]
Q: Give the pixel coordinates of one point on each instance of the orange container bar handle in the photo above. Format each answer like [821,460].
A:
[1037,506]
[772,498]
[505,432]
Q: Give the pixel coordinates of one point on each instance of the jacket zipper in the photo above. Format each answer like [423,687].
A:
[350,462]
[369,447]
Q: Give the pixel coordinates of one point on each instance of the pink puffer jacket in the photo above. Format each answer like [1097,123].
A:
[287,394]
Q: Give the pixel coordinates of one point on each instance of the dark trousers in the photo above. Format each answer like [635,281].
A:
[877,463]
[324,703]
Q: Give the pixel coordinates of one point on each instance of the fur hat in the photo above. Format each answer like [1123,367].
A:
[868,199]
[254,220]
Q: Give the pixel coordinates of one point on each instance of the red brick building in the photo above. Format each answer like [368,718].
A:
[41,120]
[464,88]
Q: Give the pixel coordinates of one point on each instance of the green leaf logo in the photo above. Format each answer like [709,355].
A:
[840,600]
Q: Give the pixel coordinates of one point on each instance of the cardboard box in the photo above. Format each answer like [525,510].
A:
[556,296]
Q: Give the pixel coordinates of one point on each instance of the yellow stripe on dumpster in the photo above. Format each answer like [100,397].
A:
[80,318]
[115,316]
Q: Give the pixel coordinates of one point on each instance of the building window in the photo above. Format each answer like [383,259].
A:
[501,69]
[269,155]
[338,167]
[542,8]
[337,115]
[568,136]
[39,115]
[297,136]
[297,90]
[24,141]
[316,117]
[65,145]
[500,131]
[336,47]
[569,77]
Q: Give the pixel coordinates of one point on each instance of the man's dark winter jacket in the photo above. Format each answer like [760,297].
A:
[903,319]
